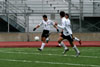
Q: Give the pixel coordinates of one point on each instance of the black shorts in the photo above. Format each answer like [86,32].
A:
[69,37]
[45,33]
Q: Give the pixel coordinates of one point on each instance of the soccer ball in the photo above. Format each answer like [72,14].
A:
[36,38]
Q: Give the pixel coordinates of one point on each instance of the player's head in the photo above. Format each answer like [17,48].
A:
[45,17]
[67,15]
[62,14]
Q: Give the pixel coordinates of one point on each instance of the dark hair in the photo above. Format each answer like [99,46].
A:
[67,15]
[45,16]
[62,14]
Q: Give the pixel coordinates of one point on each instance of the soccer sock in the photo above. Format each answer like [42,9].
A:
[59,44]
[47,38]
[42,46]
[76,39]
[76,49]
[63,45]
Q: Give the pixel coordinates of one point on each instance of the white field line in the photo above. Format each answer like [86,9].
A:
[93,57]
[46,62]
[85,65]
[13,60]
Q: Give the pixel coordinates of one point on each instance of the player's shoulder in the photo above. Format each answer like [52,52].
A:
[64,20]
[50,21]
[42,20]
[68,20]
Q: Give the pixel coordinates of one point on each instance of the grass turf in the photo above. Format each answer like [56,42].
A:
[49,57]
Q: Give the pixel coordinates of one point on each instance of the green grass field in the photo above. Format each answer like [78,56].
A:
[49,57]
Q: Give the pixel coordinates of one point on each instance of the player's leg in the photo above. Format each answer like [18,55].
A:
[43,43]
[47,40]
[60,34]
[70,39]
[77,39]
[43,39]
[75,48]
[62,44]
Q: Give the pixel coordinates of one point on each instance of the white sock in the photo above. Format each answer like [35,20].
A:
[76,39]
[76,49]
[42,46]
[59,44]
[47,38]
[63,45]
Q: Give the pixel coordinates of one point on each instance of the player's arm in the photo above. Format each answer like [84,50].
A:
[56,28]
[61,26]
[37,26]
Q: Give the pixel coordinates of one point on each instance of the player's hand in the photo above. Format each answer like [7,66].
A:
[56,23]
[58,30]
[34,29]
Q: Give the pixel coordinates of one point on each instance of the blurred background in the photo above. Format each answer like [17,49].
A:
[19,17]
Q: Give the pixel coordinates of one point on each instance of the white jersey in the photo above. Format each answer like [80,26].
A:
[66,26]
[47,24]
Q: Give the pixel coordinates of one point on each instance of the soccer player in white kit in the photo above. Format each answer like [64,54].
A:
[45,34]
[66,34]
[74,38]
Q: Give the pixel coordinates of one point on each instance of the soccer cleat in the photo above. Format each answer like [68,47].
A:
[65,50]
[77,54]
[80,42]
[39,49]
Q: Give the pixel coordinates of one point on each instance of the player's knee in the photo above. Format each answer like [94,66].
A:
[43,39]
[59,41]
